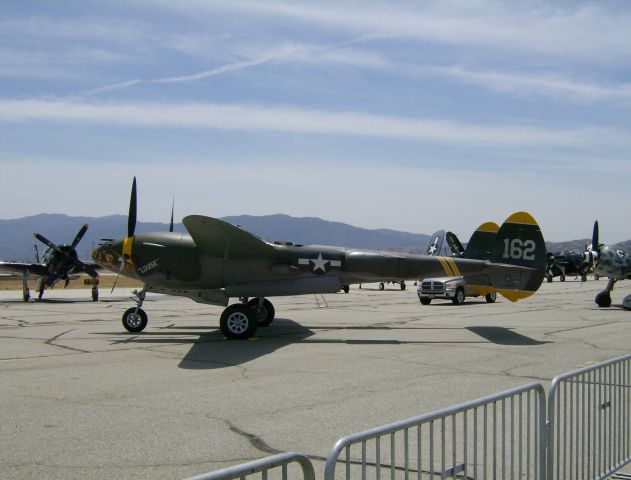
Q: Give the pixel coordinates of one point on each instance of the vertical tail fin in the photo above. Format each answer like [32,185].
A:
[518,242]
[435,243]
[481,242]
[454,244]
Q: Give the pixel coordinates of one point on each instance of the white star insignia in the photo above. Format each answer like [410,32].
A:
[319,263]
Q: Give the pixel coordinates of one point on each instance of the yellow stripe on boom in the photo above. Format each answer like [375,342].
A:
[454,267]
[445,264]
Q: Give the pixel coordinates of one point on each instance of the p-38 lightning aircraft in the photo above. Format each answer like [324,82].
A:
[217,261]
[608,262]
[60,261]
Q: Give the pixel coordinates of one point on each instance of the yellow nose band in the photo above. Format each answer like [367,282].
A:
[127,247]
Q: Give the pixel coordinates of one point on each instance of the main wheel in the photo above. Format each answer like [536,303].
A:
[345,288]
[562,278]
[95,294]
[238,322]
[402,285]
[425,301]
[603,299]
[459,297]
[265,313]
[491,297]
[549,278]
[382,286]
[134,321]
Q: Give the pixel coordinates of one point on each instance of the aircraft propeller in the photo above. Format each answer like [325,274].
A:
[67,252]
[171,223]
[131,229]
[592,252]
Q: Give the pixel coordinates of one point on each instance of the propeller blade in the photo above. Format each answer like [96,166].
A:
[131,219]
[79,236]
[47,242]
[86,268]
[118,274]
[595,245]
[172,207]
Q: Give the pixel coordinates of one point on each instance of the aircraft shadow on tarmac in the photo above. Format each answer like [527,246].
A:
[210,350]
[504,336]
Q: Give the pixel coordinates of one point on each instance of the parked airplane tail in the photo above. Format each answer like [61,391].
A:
[481,242]
[435,243]
[517,261]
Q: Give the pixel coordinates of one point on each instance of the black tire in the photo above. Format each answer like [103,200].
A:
[95,295]
[603,300]
[425,301]
[382,286]
[596,277]
[583,278]
[459,297]
[264,315]
[134,321]
[549,278]
[238,322]
[26,295]
[491,297]
[402,285]
[345,288]
[562,278]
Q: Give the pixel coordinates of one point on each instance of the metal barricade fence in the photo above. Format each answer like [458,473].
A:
[499,436]
[265,466]
[589,421]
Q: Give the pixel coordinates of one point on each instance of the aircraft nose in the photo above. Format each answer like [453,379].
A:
[109,254]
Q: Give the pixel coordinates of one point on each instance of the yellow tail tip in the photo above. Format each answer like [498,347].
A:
[521,217]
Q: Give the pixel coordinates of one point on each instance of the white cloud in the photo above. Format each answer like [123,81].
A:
[296,120]
[535,84]
[591,32]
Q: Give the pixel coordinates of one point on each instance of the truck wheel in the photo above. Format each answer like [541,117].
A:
[426,301]
[459,297]
[491,297]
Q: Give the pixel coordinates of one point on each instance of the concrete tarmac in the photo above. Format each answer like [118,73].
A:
[82,398]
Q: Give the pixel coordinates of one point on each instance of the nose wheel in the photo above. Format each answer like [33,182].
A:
[135,319]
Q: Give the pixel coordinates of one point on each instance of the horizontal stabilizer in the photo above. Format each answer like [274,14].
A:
[222,239]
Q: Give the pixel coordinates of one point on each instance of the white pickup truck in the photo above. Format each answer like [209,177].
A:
[454,288]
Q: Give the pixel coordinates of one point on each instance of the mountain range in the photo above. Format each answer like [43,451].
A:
[17,242]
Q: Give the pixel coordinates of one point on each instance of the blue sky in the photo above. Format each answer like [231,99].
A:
[407,115]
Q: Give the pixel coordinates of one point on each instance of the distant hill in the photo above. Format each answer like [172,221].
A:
[16,240]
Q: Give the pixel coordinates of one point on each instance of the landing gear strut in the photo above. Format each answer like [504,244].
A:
[135,319]
[603,299]
[26,293]
[95,289]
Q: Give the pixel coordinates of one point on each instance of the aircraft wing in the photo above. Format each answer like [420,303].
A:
[225,240]
[18,268]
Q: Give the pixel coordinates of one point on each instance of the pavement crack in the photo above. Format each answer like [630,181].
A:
[51,341]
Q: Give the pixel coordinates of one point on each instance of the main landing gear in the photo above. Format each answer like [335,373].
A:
[603,299]
[241,320]
[238,321]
